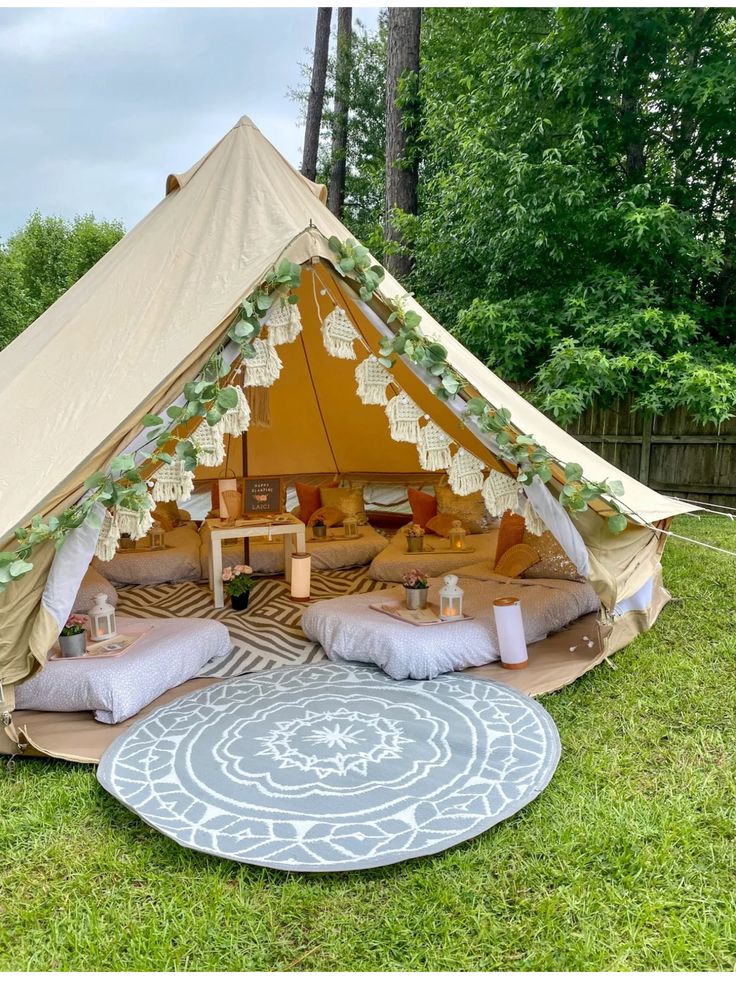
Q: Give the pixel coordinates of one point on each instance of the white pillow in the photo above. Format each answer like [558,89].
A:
[92,584]
[116,688]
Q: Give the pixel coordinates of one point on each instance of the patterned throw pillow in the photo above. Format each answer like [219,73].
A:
[553,561]
[348,499]
[468,508]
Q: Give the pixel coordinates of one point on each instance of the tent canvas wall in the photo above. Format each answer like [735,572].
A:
[125,339]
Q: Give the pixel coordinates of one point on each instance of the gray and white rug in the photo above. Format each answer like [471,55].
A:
[267,635]
[327,767]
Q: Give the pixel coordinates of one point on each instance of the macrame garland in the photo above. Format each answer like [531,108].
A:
[338,334]
[372,379]
[210,445]
[264,367]
[259,400]
[500,493]
[173,482]
[533,523]
[284,323]
[137,524]
[236,420]
[434,448]
[465,475]
[107,542]
[403,416]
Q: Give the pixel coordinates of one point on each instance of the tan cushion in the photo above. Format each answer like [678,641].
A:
[553,561]
[469,508]
[441,524]
[516,560]
[349,500]
[328,515]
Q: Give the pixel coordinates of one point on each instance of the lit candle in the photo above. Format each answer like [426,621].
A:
[301,574]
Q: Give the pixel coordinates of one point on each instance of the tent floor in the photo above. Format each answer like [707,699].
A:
[77,737]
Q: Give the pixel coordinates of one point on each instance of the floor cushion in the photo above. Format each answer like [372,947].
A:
[349,630]
[118,687]
[393,562]
[92,584]
[179,562]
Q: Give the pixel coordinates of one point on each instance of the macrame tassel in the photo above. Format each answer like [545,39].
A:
[534,524]
[137,524]
[236,420]
[403,416]
[172,483]
[265,365]
[109,536]
[500,493]
[434,448]
[465,475]
[259,400]
[372,379]
[284,323]
[338,334]
[210,445]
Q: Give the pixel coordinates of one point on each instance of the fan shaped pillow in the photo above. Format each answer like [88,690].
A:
[328,516]
[349,500]
[510,533]
[441,524]
[516,560]
[423,506]
[468,508]
[553,561]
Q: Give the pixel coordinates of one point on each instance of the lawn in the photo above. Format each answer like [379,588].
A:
[626,862]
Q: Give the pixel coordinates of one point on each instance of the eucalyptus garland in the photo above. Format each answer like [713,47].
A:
[529,457]
[125,483]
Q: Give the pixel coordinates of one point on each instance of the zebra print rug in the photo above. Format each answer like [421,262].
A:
[267,635]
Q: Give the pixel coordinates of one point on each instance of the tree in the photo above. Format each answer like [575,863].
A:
[315,106]
[402,168]
[343,68]
[42,260]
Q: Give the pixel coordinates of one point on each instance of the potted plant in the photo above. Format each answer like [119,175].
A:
[73,637]
[416,587]
[319,529]
[239,581]
[415,538]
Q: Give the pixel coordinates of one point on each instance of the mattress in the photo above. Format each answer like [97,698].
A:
[349,630]
[394,561]
[179,561]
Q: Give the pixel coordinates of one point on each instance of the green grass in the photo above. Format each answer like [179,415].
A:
[626,862]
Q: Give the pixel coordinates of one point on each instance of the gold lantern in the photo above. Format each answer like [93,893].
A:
[451,600]
[102,624]
[350,526]
[157,535]
[457,537]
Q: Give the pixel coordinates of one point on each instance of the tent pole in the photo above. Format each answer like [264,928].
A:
[244,452]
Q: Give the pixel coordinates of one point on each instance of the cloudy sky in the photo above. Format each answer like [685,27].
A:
[99,105]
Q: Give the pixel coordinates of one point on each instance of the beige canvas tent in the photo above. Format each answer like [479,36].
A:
[126,338]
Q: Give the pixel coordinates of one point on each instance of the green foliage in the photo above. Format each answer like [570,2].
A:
[42,260]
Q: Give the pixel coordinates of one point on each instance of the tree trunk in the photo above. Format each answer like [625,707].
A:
[343,64]
[316,92]
[402,164]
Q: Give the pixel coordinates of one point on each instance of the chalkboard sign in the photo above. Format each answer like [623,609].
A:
[262,495]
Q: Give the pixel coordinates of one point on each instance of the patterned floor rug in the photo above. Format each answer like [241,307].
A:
[330,768]
[267,635]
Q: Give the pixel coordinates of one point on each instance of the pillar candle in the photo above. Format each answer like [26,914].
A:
[301,574]
[510,630]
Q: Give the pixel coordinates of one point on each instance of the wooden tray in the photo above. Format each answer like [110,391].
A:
[335,538]
[101,648]
[430,550]
[429,617]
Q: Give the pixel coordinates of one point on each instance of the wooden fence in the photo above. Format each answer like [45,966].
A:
[670,453]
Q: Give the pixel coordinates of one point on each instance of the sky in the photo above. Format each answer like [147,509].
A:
[100,105]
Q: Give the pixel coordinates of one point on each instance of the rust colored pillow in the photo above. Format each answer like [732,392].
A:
[441,524]
[510,532]
[423,507]
[309,498]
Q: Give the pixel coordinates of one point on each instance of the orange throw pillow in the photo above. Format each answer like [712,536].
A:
[423,507]
[310,499]
[510,532]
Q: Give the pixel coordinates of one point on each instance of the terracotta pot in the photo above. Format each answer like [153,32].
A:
[240,602]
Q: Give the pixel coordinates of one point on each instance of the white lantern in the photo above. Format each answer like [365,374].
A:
[457,537]
[101,619]
[157,536]
[301,576]
[510,630]
[451,600]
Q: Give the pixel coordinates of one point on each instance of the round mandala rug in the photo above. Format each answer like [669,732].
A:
[333,767]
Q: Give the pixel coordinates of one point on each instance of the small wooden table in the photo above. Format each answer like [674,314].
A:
[291,532]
